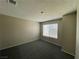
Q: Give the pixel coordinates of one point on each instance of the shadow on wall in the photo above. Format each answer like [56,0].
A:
[66,32]
[15,31]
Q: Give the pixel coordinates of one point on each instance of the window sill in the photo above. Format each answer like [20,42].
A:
[49,37]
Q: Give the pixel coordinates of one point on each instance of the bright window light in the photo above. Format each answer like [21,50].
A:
[50,30]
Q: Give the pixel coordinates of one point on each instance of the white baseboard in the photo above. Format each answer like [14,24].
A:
[61,49]
[18,44]
[67,52]
[52,42]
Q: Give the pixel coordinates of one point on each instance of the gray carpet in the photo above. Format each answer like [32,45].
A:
[35,50]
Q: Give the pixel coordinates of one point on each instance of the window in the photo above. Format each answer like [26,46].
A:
[50,30]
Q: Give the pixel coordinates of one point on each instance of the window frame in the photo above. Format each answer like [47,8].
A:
[49,35]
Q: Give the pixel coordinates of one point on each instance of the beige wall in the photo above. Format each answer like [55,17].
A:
[52,40]
[77,33]
[66,33]
[16,31]
[69,33]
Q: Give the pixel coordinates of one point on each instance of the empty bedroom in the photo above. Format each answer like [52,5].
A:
[38,29]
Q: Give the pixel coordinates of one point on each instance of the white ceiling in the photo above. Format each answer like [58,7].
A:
[30,9]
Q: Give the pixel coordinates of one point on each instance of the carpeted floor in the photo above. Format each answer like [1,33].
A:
[35,50]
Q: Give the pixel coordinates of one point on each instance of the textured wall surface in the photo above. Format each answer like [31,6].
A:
[66,33]
[17,31]
[77,33]
[69,33]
